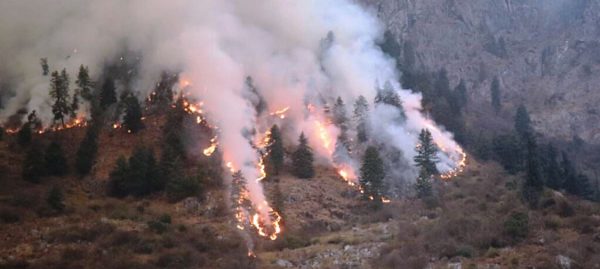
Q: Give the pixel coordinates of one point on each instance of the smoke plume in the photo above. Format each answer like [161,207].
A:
[300,55]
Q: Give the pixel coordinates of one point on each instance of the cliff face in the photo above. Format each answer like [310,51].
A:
[546,54]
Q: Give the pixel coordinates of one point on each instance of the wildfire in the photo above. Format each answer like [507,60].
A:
[211,149]
[459,168]
[280,113]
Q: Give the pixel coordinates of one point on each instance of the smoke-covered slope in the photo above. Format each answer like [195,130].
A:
[545,53]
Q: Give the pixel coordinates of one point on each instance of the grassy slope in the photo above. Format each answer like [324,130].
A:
[327,226]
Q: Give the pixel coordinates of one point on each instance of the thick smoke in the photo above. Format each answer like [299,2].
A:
[299,54]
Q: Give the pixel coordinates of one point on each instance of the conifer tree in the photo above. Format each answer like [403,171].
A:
[86,154]
[84,83]
[509,151]
[423,184]
[442,84]
[461,94]
[55,161]
[163,93]
[275,150]
[278,200]
[534,183]
[133,114]
[108,94]
[496,95]
[24,135]
[426,157]
[522,121]
[180,186]
[139,176]
[372,173]
[55,199]
[551,167]
[361,110]
[45,67]
[33,165]
[387,95]
[302,159]
[59,91]
[117,185]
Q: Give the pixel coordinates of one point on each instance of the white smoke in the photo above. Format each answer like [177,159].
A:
[217,44]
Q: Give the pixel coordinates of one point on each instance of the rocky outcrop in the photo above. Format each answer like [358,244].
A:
[546,53]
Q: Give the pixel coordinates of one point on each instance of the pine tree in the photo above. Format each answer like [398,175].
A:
[442,84]
[423,184]
[302,159]
[33,165]
[133,114]
[460,93]
[387,95]
[340,117]
[56,163]
[275,150]
[45,67]
[551,167]
[59,91]
[522,121]
[426,157]
[259,102]
[372,173]
[278,200]
[361,111]
[509,151]
[117,185]
[24,135]
[496,95]
[55,199]
[86,154]
[139,176]
[534,184]
[180,186]
[574,183]
[108,94]
[84,83]
[163,93]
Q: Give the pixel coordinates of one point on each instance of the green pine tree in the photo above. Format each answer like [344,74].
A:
[86,154]
[522,121]
[24,135]
[302,159]
[56,199]
[534,183]
[45,67]
[423,184]
[56,162]
[496,95]
[133,114]
[387,95]
[33,165]
[84,83]
[59,91]
[275,150]
[108,94]
[180,186]
[460,93]
[426,157]
[372,173]
[361,111]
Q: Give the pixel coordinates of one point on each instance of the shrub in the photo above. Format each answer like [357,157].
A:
[517,226]
[55,199]
[158,227]
[9,215]
[165,218]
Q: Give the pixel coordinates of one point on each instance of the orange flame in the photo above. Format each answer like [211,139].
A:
[211,149]
[280,113]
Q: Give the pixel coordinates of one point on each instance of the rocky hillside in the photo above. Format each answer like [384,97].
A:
[546,54]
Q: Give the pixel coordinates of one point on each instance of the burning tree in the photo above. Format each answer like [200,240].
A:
[303,159]
[162,96]
[426,157]
[372,173]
